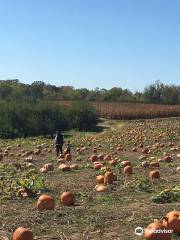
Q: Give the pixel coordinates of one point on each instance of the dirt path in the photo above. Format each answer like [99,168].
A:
[111,124]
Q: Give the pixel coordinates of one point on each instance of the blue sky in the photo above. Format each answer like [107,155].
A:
[90,43]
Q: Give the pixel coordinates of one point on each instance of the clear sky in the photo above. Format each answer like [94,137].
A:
[90,43]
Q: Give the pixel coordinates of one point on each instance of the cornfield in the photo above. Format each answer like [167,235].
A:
[115,110]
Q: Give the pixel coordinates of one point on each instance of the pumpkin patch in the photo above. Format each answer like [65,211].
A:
[111,183]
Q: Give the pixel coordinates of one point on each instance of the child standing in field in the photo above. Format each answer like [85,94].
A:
[68,149]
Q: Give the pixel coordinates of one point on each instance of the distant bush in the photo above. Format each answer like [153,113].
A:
[22,119]
[83,116]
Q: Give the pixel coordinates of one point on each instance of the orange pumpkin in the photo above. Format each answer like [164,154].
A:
[68,157]
[67,198]
[64,167]
[98,166]
[45,202]
[113,162]
[167,159]
[93,158]
[126,163]
[108,178]
[128,170]
[48,166]
[22,233]
[61,155]
[61,160]
[100,179]
[157,231]
[25,192]
[172,221]
[154,174]
[101,188]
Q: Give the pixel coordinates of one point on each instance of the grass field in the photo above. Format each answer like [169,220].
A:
[132,200]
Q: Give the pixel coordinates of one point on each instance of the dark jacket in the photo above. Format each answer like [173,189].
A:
[59,139]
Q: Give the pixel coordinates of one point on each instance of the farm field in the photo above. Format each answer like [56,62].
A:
[114,110]
[130,111]
[112,210]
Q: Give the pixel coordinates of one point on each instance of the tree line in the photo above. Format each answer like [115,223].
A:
[38,90]
[34,109]
[22,119]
